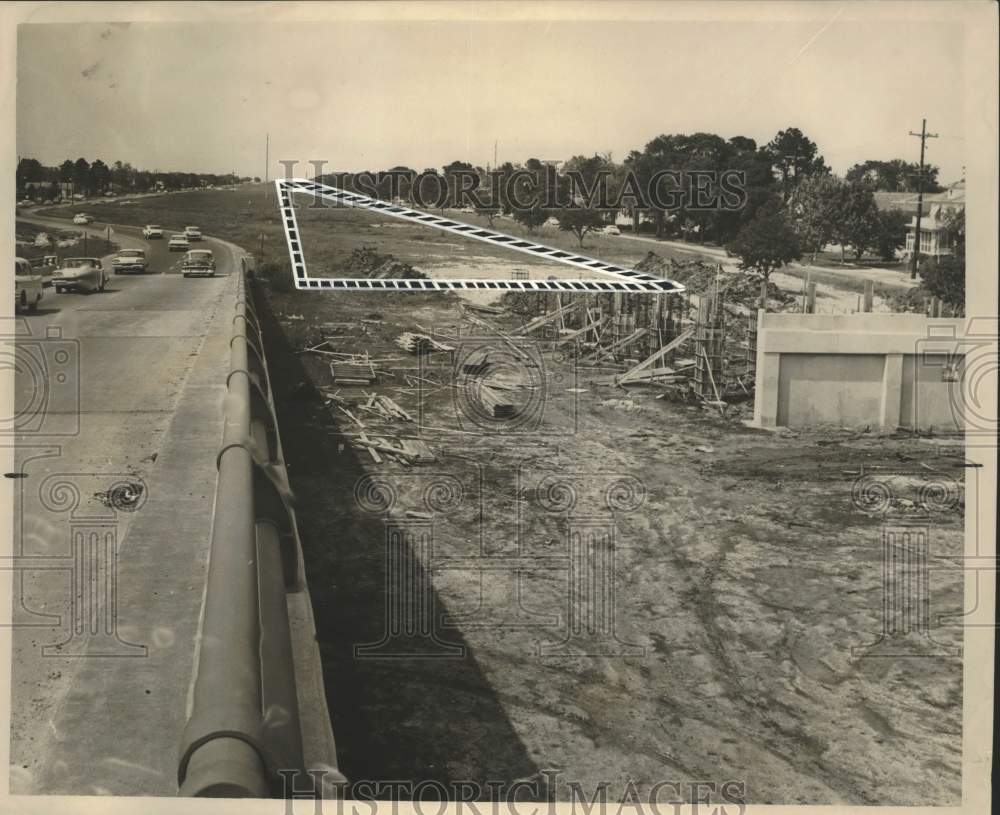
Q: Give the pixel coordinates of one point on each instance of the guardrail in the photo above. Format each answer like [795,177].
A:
[244,725]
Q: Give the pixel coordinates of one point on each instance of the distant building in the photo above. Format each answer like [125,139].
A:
[937,211]
[937,208]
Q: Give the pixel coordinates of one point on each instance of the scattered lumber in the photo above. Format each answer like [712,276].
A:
[495,404]
[676,342]
[508,340]
[617,346]
[484,309]
[538,322]
[578,332]
[476,368]
[351,372]
[420,343]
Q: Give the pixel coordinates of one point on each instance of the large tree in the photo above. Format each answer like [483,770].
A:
[100,175]
[81,174]
[894,175]
[857,219]
[459,175]
[767,242]
[581,221]
[532,217]
[793,155]
[891,233]
[814,207]
[29,170]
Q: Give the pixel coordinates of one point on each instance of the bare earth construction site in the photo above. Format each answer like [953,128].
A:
[488,434]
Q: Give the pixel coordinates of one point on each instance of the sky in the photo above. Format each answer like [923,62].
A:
[371,95]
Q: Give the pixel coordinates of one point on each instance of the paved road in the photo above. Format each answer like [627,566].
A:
[125,388]
[850,273]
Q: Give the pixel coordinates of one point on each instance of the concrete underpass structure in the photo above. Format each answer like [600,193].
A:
[855,370]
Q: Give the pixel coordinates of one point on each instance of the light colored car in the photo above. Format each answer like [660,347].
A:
[45,267]
[178,243]
[80,218]
[612,230]
[192,233]
[199,262]
[130,260]
[27,286]
[80,274]
[152,231]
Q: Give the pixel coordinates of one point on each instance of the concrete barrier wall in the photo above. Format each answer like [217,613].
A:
[883,370]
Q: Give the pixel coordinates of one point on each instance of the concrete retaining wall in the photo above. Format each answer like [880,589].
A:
[883,370]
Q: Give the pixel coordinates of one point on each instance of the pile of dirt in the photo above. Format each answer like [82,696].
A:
[522,303]
[367,262]
[698,276]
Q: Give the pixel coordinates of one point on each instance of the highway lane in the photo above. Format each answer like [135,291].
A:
[99,381]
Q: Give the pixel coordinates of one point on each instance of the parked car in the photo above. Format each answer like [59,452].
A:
[192,233]
[80,218]
[178,243]
[612,230]
[130,260]
[80,274]
[27,286]
[45,267]
[199,262]
[151,231]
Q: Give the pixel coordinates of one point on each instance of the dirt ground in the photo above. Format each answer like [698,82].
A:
[747,577]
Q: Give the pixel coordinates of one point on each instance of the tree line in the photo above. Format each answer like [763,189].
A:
[788,177]
[36,180]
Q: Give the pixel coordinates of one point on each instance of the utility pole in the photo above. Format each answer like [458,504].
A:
[924,136]
[267,160]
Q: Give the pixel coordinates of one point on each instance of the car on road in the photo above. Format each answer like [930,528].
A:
[192,233]
[152,231]
[612,230]
[45,266]
[130,260]
[80,274]
[199,262]
[27,286]
[81,218]
[178,243]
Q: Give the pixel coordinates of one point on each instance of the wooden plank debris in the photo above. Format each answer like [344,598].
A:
[622,343]
[538,322]
[498,407]
[578,332]
[508,340]
[666,349]
[420,343]
[351,372]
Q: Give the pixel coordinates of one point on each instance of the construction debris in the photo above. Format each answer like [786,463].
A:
[421,343]
[356,371]
[497,406]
